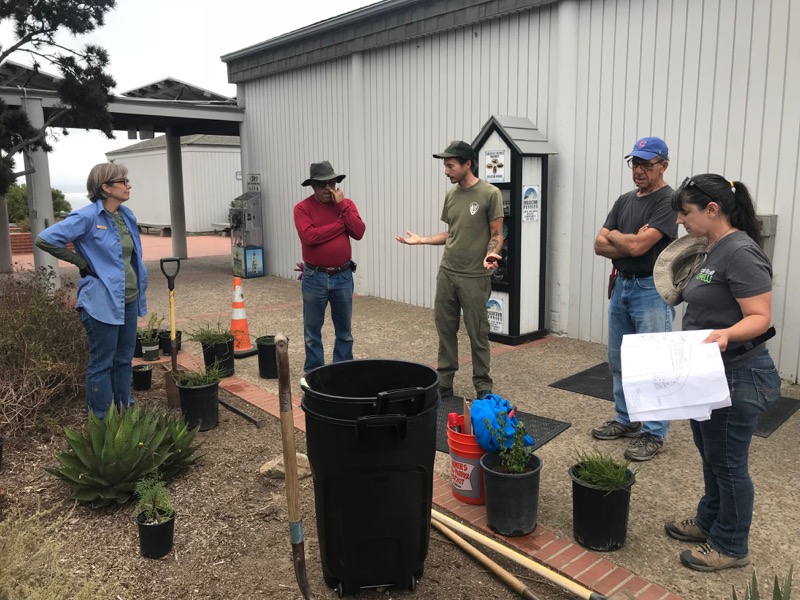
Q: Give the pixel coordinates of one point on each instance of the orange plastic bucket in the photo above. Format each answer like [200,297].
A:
[466,477]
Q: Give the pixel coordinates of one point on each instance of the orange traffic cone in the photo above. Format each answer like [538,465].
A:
[241,344]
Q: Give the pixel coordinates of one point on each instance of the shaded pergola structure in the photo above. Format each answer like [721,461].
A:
[169,106]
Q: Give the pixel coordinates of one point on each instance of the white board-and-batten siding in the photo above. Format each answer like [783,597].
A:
[209,184]
[718,80]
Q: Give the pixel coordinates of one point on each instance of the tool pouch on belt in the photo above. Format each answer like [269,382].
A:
[612,279]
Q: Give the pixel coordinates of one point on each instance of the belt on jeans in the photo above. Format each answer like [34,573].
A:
[330,270]
[634,275]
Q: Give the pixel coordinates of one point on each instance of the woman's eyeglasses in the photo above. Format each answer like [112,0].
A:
[122,181]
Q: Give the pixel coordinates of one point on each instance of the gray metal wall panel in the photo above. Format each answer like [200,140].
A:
[716,79]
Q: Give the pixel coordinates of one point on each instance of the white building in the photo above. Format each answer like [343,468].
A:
[211,165]
[377,91]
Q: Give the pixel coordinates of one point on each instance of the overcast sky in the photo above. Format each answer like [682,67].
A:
[149,40]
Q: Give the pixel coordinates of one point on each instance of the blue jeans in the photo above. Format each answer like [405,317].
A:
[319,289]
[108,374]
[635,307]
[726,509]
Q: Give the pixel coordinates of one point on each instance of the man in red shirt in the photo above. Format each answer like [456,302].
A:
[325,222]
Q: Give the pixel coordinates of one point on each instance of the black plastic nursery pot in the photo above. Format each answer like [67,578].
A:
[267,362]
[372,470]
[222,354]
[137,349]
[142,377]
[599,515]
[155,540]
[151,350]
[166,343]
[512,499]
[200,405]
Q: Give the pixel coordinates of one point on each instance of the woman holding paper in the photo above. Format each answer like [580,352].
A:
[731,293]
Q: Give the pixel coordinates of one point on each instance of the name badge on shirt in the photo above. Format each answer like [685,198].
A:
[102,227]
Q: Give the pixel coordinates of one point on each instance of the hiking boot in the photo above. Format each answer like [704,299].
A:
[445,392]
[482,394]
[645,447]
[704,558]
[614,429]
[686,531]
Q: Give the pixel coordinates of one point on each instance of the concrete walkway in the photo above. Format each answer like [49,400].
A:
[667,487]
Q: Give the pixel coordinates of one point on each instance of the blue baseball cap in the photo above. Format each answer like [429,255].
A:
[650,147]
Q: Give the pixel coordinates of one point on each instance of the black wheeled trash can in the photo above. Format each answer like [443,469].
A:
[371,436]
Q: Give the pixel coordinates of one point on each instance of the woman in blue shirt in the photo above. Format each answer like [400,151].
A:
[111,291]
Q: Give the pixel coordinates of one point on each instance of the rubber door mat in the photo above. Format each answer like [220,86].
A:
[776,415]
[591,382]
[597,382]
[541,429]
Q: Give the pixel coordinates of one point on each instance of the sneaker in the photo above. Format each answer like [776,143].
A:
[686,531]
[445,392]
[645,447]
[704,558]
[614,429]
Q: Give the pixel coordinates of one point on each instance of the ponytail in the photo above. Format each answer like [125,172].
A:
[743,215]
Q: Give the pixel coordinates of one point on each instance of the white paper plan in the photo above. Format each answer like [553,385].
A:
[671,376]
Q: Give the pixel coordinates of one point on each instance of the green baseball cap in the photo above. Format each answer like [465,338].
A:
[457,149]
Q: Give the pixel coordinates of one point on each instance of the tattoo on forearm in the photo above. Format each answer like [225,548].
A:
[494,242]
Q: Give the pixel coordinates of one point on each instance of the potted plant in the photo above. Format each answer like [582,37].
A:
[142,377]
[199,396]
[511,481]
[601,494]
[217,343]
[156,518]
[149,337]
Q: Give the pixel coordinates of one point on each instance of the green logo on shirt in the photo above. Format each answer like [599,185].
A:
[706,275]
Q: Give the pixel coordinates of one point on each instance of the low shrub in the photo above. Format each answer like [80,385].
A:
[43,349]
[32,565]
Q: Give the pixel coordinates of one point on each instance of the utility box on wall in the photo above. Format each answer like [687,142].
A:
[247,235]
[513,155]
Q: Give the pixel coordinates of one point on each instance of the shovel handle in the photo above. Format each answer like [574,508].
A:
[171,276]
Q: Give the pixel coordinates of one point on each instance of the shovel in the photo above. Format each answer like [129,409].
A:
[173,399]
[290,466]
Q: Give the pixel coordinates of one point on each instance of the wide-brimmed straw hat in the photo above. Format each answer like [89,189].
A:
[322,171]
[676,265]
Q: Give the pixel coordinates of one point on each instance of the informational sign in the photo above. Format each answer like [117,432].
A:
[254,182]
[530,203]
[495,166]
[494,308]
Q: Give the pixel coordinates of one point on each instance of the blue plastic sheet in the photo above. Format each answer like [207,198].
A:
[490,408]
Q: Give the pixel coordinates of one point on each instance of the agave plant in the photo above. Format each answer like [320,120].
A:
[177,445]
[778,593]
[103,464]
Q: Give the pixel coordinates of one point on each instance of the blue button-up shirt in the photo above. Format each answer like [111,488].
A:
[92,231]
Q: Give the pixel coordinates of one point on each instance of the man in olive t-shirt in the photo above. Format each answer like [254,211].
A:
[473,211]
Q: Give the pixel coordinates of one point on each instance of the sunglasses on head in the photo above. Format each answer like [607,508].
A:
[691,183]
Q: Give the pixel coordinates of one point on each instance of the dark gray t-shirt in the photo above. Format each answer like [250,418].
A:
[628,215]
[735,268]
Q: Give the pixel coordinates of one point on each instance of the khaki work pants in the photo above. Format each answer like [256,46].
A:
[454,294]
